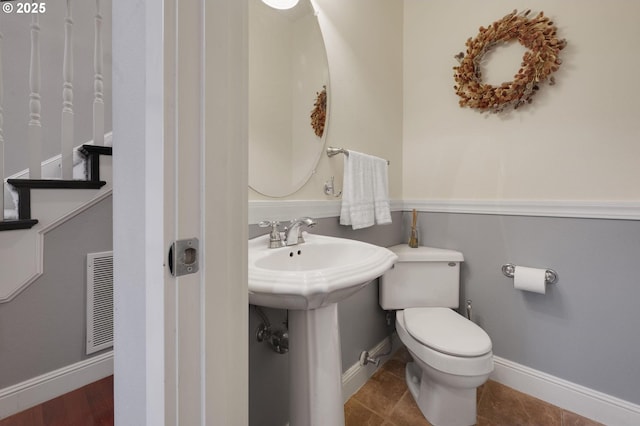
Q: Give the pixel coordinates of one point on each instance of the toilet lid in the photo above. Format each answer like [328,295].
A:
[446,331]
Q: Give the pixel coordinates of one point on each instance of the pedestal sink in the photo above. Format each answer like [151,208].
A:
[309,279]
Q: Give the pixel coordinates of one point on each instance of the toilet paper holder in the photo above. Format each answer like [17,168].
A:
[550,275]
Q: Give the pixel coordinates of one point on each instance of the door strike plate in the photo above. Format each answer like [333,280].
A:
[183,257]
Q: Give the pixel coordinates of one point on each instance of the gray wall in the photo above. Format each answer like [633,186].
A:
[362,326]
[43,328]
[585,328]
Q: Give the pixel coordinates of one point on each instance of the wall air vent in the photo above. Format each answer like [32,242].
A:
[99,301]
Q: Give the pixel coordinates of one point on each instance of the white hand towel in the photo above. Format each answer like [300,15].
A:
[381,191]
[365,199]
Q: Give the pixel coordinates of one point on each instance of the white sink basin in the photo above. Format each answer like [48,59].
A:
[321,271]
[309,279]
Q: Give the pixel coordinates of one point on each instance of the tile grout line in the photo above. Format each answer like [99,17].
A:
[396,404]
[387,370]
[366,407]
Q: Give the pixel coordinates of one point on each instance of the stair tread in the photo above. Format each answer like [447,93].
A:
[14,224]
[96,149]
[56,184]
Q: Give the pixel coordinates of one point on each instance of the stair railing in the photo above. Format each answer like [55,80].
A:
[98,102]
[66,148]
[34,128]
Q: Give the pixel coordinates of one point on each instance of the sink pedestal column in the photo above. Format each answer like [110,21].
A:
[315,368]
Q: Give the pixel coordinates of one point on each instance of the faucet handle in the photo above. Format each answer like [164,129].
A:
[274,236]
[267,223]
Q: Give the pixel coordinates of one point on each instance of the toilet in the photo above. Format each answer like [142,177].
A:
[451,355]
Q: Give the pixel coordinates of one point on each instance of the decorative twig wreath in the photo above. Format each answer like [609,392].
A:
[538,63]
[319,113]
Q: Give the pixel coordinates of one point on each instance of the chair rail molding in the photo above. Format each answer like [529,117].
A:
[287,209]
[622,210]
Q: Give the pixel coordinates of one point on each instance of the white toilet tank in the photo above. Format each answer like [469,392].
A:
[422,277]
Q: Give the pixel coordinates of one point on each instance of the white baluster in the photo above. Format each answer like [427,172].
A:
[66,162]
[1,139]
[98,101]
[35,127]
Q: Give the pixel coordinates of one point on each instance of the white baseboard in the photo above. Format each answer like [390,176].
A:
[567,395]
[561,393]
[357,375]
[29,393]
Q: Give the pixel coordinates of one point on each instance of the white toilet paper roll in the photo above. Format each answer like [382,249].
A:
[530,279]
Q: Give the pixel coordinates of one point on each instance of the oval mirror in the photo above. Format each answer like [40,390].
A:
[288,85]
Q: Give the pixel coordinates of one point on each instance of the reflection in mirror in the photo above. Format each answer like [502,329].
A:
[288,73]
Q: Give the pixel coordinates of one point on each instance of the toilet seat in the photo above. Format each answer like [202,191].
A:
[445,331]
[447,363]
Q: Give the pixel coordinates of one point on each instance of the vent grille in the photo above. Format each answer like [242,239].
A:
[99,301]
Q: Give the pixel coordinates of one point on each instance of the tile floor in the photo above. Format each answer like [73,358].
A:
[385,401]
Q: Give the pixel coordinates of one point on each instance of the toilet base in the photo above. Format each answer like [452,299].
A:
[441,405]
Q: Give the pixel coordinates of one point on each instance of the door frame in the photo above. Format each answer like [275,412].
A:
[156,104]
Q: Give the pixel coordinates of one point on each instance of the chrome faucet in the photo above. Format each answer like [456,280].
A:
[293,234]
